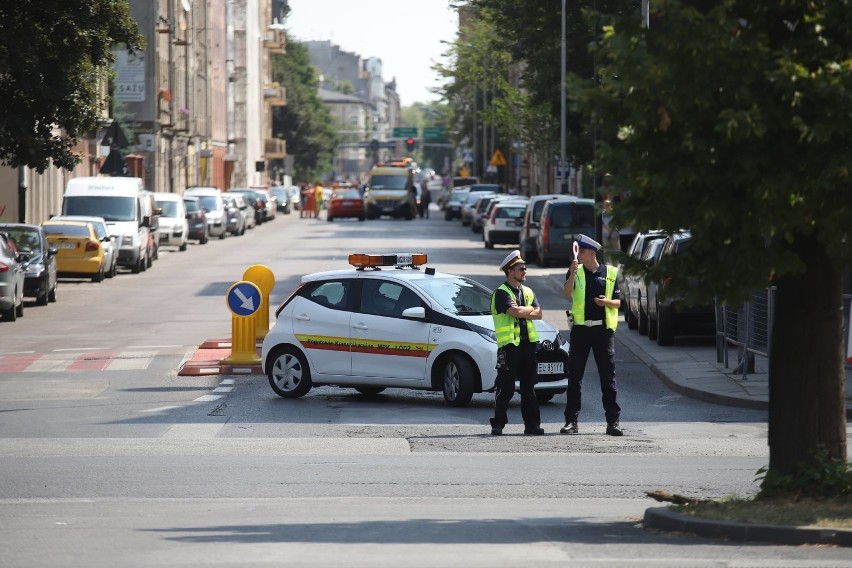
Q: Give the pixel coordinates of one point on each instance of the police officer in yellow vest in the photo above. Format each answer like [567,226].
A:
[514,307]
[596,299]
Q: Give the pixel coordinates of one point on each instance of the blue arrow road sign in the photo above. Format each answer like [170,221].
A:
[243,298]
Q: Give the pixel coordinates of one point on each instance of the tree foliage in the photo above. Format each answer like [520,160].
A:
[734,122]
[52,53]
[305,122]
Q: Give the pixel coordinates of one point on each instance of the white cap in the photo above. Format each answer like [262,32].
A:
[511,260]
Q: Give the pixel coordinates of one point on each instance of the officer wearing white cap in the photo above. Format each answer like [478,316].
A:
[514,307]
[596,299]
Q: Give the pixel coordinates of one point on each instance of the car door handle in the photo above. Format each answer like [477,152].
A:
[360,326]
[302,317]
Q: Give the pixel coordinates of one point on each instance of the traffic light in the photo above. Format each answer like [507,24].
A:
[409,143]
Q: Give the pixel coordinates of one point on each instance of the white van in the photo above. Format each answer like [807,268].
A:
[120,201]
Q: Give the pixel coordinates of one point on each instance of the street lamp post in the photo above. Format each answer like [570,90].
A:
[563,186]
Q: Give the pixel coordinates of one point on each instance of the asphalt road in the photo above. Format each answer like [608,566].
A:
[108,458]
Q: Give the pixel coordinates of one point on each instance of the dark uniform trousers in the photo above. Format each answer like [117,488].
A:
[523,366]
[600,341]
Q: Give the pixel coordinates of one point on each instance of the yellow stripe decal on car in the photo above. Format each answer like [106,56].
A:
[379,347]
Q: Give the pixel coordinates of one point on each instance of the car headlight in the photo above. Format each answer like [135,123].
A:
[34,269]
[487,334]
[560,341]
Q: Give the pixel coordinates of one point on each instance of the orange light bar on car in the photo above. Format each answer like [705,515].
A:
[399,260]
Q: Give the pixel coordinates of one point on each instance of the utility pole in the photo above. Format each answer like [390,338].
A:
[563,185]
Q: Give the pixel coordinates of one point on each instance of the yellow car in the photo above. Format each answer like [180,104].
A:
[80,253]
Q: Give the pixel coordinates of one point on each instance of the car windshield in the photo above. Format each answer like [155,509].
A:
[458,295]
[388,182]
[191,205]
[347,194]
[572,216]
[115,209]
[170,208]
[26,240]
[209,202]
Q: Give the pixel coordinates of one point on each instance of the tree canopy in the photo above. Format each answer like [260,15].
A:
[52,55]
[305,122]
[734,122]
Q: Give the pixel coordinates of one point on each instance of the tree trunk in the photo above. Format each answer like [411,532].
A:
[807,400]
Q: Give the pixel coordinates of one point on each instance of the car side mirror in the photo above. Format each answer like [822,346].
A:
[158,211]
[51,251]
[535,225]
[146,221]
[418,312]
[23,257]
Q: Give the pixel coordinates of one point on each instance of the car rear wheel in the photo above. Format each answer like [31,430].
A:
[19,310]
[289,374]
[643,320]
[652,327]
[369,390]
[11,314]
[457,379]
[51,296]
[631,320]
[665,327]
[99,275]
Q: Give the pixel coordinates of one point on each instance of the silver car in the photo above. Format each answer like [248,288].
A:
[11,280]
[110,243]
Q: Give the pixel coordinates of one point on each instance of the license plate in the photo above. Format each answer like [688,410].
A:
[67,245]
[550,368]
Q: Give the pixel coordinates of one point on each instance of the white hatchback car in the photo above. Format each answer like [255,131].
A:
[391,323]
[174,228]
[502,225]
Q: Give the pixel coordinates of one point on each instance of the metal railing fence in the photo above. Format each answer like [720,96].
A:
[748,328]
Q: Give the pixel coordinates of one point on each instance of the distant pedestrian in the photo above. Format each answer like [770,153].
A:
[318,199]
[514,307]
[425,199]
[596,299]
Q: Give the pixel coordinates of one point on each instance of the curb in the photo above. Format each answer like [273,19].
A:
[662,518]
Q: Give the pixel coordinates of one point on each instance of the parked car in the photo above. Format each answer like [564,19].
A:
[12,275]
[283,201]
[210,199]
[502,224]
[254,201]
[452,210]
[346,203]
[174,225]
[39,258]
[628,282]
[196,219]
[110,243]
[370,329]
[482,202]
[234,216]
[669,315]
[269,201]
[531,224]
[561,220]
[469,204]
[80,252]
[642,288]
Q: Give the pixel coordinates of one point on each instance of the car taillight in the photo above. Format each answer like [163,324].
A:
[92,246]
[545,232]
[4,267]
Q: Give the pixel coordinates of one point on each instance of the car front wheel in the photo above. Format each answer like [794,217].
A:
[457,380]
[289,374]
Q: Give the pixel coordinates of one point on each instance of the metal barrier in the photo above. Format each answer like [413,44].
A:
[748,327]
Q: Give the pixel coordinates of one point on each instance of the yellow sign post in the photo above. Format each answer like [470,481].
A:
[497,158]
[264,279]
[243,299]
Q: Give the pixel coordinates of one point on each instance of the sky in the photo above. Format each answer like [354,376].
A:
[405,34]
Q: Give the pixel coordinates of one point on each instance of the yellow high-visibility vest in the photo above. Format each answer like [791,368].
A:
[578,310]
[508,328]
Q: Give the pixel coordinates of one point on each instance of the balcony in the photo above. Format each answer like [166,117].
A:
[275,94]
[275,42]
[274,148]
